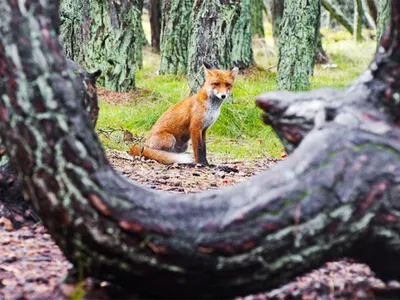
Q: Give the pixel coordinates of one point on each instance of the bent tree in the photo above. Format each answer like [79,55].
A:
[336,195]
[104,35]
[12,203]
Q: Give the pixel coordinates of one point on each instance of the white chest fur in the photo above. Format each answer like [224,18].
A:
[212,113]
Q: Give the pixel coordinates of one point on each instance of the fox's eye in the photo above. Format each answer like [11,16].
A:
[228,85]
[215,84]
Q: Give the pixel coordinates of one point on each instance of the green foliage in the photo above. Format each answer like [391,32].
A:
[239,132]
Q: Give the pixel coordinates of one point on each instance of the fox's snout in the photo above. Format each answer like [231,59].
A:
[221,95]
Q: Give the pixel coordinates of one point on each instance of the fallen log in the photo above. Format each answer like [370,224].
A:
[336,195]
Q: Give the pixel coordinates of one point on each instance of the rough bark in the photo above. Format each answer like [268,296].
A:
[242,48]
[373,10]
[336,195]
[105,34]
[357,23]
[383,17]
[175,36]
[336,12]
[12,203]
[277,7]
[211,36]
[155,23]
[257,8]
[297,52]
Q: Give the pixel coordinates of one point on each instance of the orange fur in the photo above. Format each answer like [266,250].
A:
[188,119]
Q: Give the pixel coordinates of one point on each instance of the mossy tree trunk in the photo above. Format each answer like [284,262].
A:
[297,51]
[383,17]
[155,23]
[211,37]
[175,36]
[277,7]
[257,8]
[335,196]
[242,48]
[357,22]
[106,35]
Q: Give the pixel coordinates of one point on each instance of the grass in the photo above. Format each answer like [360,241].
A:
[239,132]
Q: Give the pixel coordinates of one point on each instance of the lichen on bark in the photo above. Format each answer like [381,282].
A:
[104,35]
[242,49]
[211,31]
[175,36]
[297,44]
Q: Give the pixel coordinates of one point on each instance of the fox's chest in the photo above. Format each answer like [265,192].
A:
[212,113]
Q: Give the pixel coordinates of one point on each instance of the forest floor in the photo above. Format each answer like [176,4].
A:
[31,265]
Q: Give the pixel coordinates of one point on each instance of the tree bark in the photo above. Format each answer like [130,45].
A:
[383,17]
[211,36]
[155,23]
[277,7]
[257,8]
[357,23]
[373,10]
[12,203]
[175,36]
[107,35]
[338,15]
[297,52]
[336,195]
[242,48]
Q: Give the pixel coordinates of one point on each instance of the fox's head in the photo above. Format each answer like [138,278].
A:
[219,83]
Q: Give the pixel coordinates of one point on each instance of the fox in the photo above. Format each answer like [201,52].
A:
[189,118]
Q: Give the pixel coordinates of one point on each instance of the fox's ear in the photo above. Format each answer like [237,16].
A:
[207,69]
[234,71]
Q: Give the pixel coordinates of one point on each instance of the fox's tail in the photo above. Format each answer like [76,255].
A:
[163,157]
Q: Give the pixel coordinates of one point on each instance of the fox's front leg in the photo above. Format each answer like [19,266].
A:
[199,146]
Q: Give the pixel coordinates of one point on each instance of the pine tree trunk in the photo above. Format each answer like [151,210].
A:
[211,37]
[155,23]
[335,196]
[175,36]
[383,17]
[277,7]
[372,10]
[336,12]
[357,23]
[297,52]
[105,34]
[242,49]
[257,8]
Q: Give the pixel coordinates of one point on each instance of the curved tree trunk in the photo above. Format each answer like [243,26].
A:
[257,8]
[175,36]
[105,34]
[211,36]
[336,195]
[12,203]
[242,48]
[297,52]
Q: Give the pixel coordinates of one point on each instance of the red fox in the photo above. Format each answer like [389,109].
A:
[188,119]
